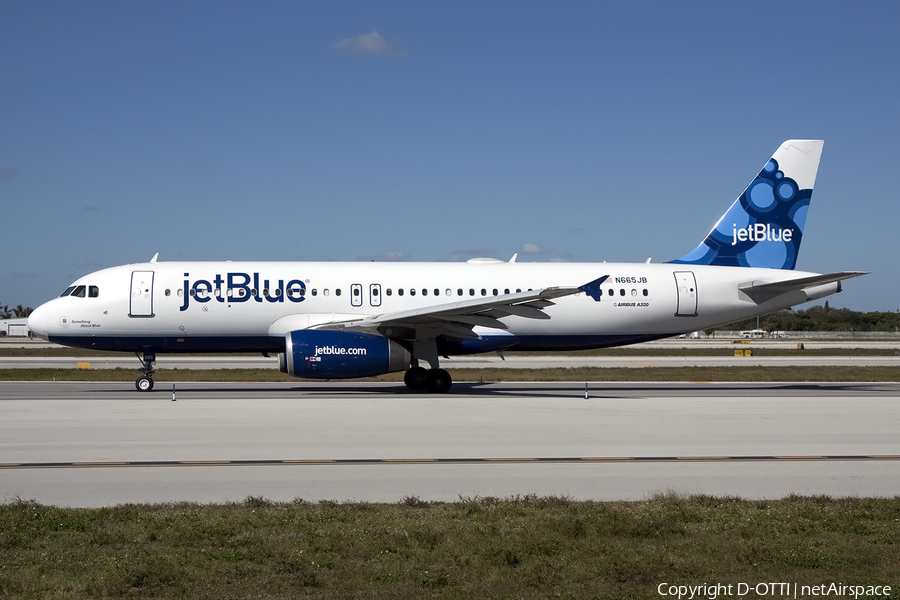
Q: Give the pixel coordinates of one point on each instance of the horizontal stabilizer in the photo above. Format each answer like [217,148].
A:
[789,285]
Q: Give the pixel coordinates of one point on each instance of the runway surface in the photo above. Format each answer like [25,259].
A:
[175,361]
[95,444]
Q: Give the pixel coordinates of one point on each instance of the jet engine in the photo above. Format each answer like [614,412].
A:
[328,354]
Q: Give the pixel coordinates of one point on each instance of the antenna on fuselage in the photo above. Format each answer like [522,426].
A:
[155,256]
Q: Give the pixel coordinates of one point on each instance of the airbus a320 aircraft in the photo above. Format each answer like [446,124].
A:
[333,320]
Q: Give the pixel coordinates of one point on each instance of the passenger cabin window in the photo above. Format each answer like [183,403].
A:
[388,291]
[337,292]
[412,292]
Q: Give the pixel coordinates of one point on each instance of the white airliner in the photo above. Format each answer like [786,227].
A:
[333,320]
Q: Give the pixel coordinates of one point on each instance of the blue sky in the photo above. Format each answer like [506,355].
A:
[577,131]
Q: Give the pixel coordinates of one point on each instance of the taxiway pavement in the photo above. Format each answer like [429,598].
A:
[95,444]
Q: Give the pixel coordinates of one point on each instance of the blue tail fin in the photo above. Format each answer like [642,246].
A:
[764,226]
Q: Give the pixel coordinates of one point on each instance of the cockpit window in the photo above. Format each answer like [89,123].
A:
[93,291]
[79,291]
[67,292]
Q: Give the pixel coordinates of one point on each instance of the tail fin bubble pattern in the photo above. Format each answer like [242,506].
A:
[764,226]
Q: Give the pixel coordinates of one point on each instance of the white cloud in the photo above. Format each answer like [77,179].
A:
[463,255]
[365,43]
[535,249]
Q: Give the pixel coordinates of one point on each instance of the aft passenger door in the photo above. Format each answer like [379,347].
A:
[141,303]
[686,286]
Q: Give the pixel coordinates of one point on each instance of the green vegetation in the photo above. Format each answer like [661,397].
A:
[581,374]
[821,318]
[19,312]
[526,547]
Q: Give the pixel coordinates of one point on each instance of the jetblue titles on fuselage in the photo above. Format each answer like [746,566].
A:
[241,287]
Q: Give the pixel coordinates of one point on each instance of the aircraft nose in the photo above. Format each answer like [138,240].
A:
[37,321]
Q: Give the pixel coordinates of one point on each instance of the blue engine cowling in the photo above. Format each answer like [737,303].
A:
[325,354]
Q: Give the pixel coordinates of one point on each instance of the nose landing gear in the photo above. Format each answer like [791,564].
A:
[145,383]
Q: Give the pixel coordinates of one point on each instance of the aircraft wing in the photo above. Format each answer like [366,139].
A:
[458,318]
[789,285]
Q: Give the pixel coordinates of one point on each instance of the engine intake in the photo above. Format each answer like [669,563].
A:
[327,354]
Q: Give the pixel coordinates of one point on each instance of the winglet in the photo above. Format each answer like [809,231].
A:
[592,289]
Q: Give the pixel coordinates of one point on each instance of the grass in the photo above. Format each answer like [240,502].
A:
[525,547]
[735,373]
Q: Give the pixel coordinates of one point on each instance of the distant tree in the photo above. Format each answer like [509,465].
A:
[19,312]
[22,312]
[820,318]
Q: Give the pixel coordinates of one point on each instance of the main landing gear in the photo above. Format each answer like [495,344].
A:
[436,381]
[145,383]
